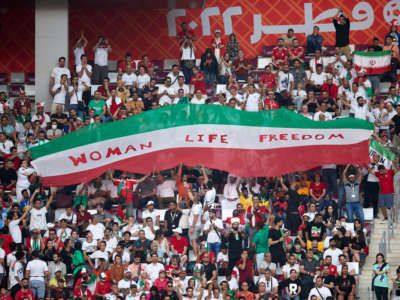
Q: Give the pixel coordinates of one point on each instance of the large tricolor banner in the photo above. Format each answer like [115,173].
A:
[249,144]
[372,62]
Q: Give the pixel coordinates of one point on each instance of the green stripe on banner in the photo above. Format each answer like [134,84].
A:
[373,54]
[190,114]
[378,147]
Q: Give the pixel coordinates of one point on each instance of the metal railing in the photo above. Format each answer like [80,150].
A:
[383,244]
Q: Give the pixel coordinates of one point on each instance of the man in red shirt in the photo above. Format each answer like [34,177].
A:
[241,66]
[20,102]
[387,187]
[331,88]
[25,293]
[82,292]
[179,245]
[296,52]
[198,81]
[270,102]
[317,188]
[128,61]
[105,89]
[245,266]
[268,79]
[186,34]
[280,54]
[103,286]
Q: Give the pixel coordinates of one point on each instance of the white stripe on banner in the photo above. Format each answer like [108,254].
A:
[205,136]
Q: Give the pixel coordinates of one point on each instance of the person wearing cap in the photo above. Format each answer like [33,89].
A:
[151,212]
[217,44]
[59,291]
[103,286]
[235,237]
[214,228]
[81,291]
[231,195]
[352,183]
[134,294]
[179,244]
[58,275]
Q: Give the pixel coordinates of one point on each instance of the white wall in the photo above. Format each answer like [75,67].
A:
[51,42]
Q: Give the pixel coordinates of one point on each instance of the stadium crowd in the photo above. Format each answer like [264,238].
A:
[195,233]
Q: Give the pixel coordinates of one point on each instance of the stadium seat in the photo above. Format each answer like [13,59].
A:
[262,62]
[168,63]
[113,77]
[256,74]
[30,78]
[158,64]
[384,87]
[93,88]
[210,90]
[368,214]
[3,77]
[329,51]
[160,76]
[17,77]
[30,90]
[267,51]
[15,89]
[3,88]
[112,65]
[221,88]
[362,47]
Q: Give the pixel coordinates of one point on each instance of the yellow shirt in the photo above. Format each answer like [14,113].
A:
[246,202]
[303,190]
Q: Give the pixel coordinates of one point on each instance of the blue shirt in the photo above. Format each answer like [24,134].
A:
[314,42]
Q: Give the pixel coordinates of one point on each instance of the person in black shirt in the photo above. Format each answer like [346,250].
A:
[8,176]
[276,240]
[209,268]
[169,294]
[375,44]
[328,279]
[235,239]
[316,230]
[342,33]
[345,285]
[171,219]
[292,286]
[293,220]
[59,292]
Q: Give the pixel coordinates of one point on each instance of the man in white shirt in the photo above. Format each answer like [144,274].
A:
[38,213]
[165,191]
[285,79]
[5,144]
[318,78]
[129,77]
[214,228]
[59,92]
[233,94]
[166,92]
[291,265]
[181,85]
[231,197]
[333,252]
[174,75]
[96,228]
[154,267]
[323,115]
[320,291]
[96,255]
[57,72]
[198,98]
[68,215]
[143,78]
[253,100]
[360,110]
[16,273]
[37,272]
[151,212]
[348,72]
[76,92]
[271,283]
[316,61]
[100,70]
[13,226]
[84,71]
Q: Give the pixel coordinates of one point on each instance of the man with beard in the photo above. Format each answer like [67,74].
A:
[25,292]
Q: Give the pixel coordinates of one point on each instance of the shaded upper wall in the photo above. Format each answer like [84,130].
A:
[17,36]
[148,31]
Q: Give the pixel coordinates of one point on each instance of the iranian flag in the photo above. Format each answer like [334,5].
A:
[385,155]
[372,62]
[249,144]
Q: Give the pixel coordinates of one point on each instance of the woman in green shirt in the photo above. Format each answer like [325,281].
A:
[380,281]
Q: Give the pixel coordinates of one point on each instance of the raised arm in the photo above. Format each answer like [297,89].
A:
[345,172]
[50,199]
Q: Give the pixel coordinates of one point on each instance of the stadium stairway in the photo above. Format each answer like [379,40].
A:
[384,238]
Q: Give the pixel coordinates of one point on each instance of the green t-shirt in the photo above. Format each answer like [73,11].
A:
[381,280]
[184,100]
[261,240]
[98,107]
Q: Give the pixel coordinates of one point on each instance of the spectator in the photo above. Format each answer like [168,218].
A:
[37,272]
[217,44]
[232,47]
[394,34]
[225,68]
[56,74]
[241,67]
[100,69]
[25,292]
[188,59]
[59,92]
[280,54]
[186,34]
[288,39]
[314,41]
[393,47]
[127,62]
[319,289]
[209,66]
[380,281]
[342,32]
[98,105]
[79,48]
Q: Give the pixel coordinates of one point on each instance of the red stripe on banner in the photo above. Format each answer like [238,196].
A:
[242,162]
[371,71]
